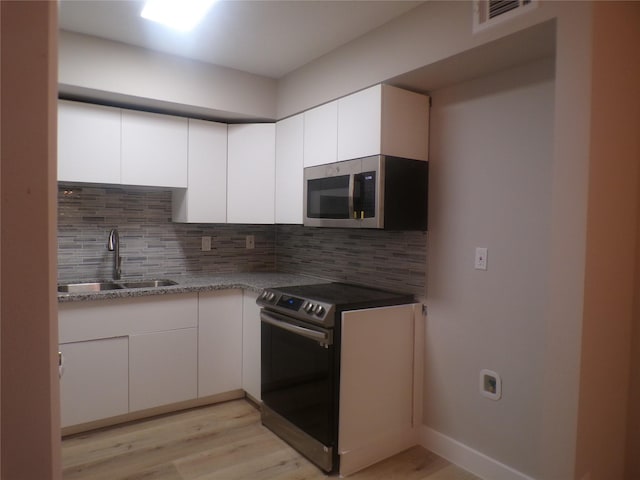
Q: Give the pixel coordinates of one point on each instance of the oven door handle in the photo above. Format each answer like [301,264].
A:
[279,321]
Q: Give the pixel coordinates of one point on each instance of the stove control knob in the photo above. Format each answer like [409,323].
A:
[319,310]
[263,295]
[309,307]
[270,296]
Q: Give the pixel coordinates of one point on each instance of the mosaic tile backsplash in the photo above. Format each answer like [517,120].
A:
[151,245]
[377,258]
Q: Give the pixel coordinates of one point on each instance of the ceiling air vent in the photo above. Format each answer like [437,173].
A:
[490,12]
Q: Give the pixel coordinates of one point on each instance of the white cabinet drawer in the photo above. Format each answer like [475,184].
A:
[80,321]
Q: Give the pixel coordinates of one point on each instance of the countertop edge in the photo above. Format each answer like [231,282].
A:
[254,282]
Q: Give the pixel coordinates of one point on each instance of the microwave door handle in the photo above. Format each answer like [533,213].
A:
[275,320]
[352,190]
[352,193]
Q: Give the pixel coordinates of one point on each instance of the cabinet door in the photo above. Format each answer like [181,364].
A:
[251,173]
[405,123]
[162,368]
[321,134]
[219,342]
[94,383]
[376,375]
[154,149]
[205,199]
[289,166]
[383,120]
[88,143]
[359,122]
[251,345]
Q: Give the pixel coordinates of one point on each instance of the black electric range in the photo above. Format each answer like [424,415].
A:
[300,369]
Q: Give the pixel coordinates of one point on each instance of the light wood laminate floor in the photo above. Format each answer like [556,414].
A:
[224,441]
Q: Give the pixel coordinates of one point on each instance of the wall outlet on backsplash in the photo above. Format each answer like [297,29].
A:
[206,244]
[251,241]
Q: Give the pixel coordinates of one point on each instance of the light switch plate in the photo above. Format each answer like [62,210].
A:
[481,258]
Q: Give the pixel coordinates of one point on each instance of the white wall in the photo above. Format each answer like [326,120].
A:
[432,32]
[102,69]
[490,186]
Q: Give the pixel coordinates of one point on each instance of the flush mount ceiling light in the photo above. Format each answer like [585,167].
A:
[181,15]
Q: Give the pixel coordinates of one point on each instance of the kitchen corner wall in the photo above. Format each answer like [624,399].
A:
[153,246]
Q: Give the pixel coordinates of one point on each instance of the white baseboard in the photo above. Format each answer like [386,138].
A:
[465,457]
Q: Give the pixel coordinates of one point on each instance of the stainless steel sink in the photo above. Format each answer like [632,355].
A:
[88,287]
[148,283]
[101,286]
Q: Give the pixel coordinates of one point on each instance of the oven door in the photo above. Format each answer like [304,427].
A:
[298,386]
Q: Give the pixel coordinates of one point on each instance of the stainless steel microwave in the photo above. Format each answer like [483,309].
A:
[373,192]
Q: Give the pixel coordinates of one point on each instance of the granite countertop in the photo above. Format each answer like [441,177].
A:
[198,283]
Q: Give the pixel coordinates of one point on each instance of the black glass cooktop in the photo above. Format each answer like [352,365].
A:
[344,294]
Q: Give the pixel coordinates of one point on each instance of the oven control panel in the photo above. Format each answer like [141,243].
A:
[302,308]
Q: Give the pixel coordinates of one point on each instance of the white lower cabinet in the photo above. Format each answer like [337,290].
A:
[251,345]
[94,383]
[379,384]
[131,354]
[163,368]
[219,342]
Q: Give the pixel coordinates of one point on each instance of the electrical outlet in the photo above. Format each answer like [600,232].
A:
[490,384]
[206,244]
[251,242]
[481,258]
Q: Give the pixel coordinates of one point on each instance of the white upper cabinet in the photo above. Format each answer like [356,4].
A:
[205,200]
[251,173]
[154,149]
[383,120]
[289,166]
[321,134]
[359,122]
[88,143]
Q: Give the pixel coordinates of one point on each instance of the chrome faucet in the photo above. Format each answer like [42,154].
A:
[113,245]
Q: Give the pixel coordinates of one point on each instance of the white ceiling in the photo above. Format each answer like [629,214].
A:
[265,37]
